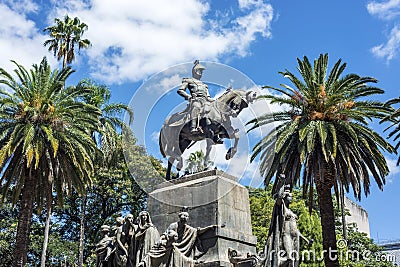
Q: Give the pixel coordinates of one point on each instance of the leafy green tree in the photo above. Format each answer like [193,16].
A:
[44,141]
[145,169]
[65,36]
[357,249]
[394,118]
[8,229]
[60,250]
[105,135]
[261,206]
[323,137]
[114,192]
[310,226]
[197,162]
[360,250]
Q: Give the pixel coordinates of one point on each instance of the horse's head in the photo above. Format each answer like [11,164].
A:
[237,100]
[251,96]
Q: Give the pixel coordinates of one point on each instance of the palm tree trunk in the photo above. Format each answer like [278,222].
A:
[46,230]
[28,194]
[343,212]
[64,60]
[82,233]
[324,186]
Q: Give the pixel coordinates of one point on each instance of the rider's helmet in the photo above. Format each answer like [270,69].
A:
[197,69]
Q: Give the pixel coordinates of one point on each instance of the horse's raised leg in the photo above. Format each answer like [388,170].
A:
[179,166]
[232,151]
[209,144]
[168,173]
[183,144]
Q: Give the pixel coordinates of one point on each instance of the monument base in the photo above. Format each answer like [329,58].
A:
[213,198]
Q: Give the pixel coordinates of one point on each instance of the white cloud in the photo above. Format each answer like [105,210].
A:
[393,168]
[391,48]
[389,11]
[133,39]
[384,10]
[248,3]
[20,40]
[170,82]
[155,136]
[22,6]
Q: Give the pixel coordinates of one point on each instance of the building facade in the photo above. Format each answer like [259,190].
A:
[358,215]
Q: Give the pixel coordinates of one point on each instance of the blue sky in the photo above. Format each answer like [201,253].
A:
[133,40]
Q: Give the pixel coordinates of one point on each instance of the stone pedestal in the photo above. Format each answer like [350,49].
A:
[213,197]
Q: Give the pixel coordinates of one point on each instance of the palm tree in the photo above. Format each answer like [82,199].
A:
[323,137]
[197,162]
[65,35]
[110,122]
[45,140]
[106,136]
[394,118]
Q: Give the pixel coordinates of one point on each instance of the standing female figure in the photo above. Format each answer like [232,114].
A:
[282,248]
[146,235]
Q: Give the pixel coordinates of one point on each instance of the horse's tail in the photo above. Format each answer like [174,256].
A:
[160,143]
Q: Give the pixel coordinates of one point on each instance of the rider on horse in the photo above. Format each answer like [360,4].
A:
[199,97]
[204,119]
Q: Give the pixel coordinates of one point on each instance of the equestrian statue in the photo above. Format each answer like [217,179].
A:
[204,118]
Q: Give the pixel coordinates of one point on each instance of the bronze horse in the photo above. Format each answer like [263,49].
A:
[214,124]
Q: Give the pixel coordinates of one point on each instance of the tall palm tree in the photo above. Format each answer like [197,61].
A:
[65,36]
[394,118]
[45,140]
[323,137]
[110,120]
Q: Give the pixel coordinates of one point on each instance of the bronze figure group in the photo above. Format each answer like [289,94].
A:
[127,242]
[138,243]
